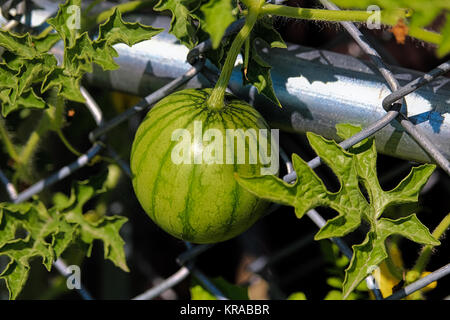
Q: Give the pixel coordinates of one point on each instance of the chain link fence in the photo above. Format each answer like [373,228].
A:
[394,105]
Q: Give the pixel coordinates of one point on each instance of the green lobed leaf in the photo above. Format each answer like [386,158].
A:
[31,231]
[8,77]
[82,52]
[104,55]
[357,165]
[20,45]
[28,99]
[5,94]
[20,74]
[78,58]
[13,62]
[270,188]
[24,230]
[183,20]
[43,43]
[258,71]
[265,31]
[407,191]
[64,236]
[218,15]
[105,229]
[409,227]
[67,86]
[115,30]
[368,255]
[27,63]
[67,21]
[31,72]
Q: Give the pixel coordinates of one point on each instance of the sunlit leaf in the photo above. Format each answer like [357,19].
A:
[352,167]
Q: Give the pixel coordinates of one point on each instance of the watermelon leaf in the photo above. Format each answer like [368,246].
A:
[218,15]
[114,30]
[67,21]
[352,167]
[183,20]
[258,71]
[27,62]
[30,230]
[18,44]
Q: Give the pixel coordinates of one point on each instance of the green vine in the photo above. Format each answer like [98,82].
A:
[387,18]
[427,251]
[324,14]
[10,148]
[216,100]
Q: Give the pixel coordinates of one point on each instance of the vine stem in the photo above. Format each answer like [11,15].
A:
[10,148]
[425,254]
[66,142]
[124,7]
[393,264]
[44,125]
[315,14]
[30,146]
[350,15]
[23,171]
[216,99]
[425,35]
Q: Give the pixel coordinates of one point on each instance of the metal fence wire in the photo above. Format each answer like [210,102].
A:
[394,104]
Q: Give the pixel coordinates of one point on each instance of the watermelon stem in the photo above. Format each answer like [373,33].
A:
[216,99]
[387,17]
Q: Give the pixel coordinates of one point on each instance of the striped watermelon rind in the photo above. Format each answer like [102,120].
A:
[200,203]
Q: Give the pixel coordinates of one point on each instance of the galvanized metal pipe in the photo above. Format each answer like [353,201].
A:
[318,89]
